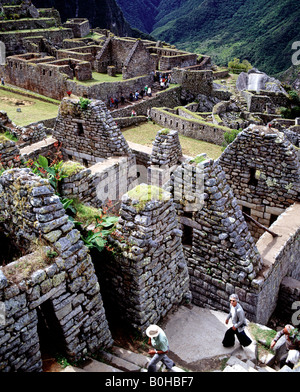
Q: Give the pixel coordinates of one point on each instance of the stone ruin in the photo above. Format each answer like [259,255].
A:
[197,230]
[88,135]
[263,171]
[150,275]
[64,291]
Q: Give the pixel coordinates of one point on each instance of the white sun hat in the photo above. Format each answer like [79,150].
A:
[152,331]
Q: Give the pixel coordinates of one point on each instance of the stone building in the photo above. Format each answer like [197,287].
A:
[148,274]
[88,135]
[55,285]
[262,169]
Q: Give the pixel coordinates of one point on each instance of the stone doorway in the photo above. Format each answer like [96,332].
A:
[50,334]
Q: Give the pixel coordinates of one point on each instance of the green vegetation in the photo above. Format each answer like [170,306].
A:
[70,168]
[80,214]
[52,171]
[236,66]
[38,258]
[260,31]
[145,134]
[32,109]
[293,109]
[231,135]
[144,193]
[84,103]
[100,78]
[263,338]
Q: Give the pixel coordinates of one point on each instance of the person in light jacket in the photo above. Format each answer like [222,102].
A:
[238,319]
[160,344]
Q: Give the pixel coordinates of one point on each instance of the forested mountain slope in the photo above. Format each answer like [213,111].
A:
[101,13]
[261,31]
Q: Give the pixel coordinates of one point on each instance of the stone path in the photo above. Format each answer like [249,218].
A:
[118,360]
[195,337]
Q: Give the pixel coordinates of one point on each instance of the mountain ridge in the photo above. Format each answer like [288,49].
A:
[261,31]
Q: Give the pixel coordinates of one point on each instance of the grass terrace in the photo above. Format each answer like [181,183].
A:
[100,78]
[32,107]
[145,134]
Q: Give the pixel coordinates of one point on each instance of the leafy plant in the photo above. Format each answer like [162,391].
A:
[53,172]
[229,136]
[84,103]
[237,67]
[98,237]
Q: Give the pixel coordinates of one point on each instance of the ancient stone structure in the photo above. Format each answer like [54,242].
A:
[219,248]
[150,276]
[80,26]
[189,125]
[166,149]
[62,285]
[220,251]
[89,134]
[263,171]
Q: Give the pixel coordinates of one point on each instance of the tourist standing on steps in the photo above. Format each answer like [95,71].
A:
[238,319]
[292,343]
[160,344]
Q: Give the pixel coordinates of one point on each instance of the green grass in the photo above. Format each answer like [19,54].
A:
[32,111]
[101,78]
[145,134]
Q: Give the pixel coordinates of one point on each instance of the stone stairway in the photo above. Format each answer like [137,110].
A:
[118,360]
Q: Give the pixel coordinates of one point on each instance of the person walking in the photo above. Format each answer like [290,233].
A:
[292,343]
[237,316]
[158,340]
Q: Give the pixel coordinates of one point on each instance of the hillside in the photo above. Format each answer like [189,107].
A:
[105,14]
[261,31]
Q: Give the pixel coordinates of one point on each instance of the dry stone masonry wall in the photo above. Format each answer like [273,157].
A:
[88,135]
[262,169]
[221,254]
[67,286]
[150,276]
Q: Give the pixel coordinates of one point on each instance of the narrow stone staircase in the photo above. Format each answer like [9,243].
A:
[118,360]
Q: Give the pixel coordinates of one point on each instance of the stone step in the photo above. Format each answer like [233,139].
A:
[129,361]
[93,366]
[120,363]
[138,359]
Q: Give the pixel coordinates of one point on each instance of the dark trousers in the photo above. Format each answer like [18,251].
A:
[229,338]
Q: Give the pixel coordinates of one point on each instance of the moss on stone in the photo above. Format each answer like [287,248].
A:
[70,168]
[143,193]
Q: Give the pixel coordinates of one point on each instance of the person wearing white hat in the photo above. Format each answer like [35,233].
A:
[158,340]
[292,343]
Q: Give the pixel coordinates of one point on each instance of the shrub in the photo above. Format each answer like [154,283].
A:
[84,103]
[229,136]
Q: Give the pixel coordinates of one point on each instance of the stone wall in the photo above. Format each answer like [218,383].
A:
[262,169]
[103,182]
[198,82]
[166,150]
[281,257]
[66,288]
[88,135]
[41,78]
[288,301]
[14,40]
[220,251]
[79,26]
[46,78]
[191,127]
[150,275]
[138,62]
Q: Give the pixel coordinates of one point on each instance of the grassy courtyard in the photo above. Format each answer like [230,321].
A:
[32,109]
[145,134]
